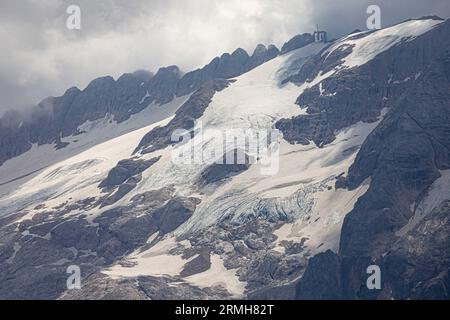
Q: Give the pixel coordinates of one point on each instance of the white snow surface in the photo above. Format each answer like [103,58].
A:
[157,261]
[76,178]
[257,99]
[321,227]
[370,44]
[18,170]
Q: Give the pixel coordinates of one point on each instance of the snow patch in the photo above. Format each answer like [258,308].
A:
[321,228]
[367,47]
[155,261]
[218,275]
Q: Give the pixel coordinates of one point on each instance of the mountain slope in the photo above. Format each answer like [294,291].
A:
[406,156]
[361,168]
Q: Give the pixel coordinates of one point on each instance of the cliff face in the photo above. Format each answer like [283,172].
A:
[404,157]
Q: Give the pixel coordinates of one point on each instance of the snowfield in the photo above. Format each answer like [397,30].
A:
[78,176]
[367,45]
[157,261]
[16,171]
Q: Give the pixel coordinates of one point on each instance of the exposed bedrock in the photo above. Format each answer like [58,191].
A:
[403,156]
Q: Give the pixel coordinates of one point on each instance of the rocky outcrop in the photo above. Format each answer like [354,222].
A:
[297,42]
[101,287]
[60,117]
[122,191]
[50,239]
[218,172]
[124,170]
[155,211]
[322,279]
[403,156]
[199,264]
[226,66]
[123,178]
[417,266]
[260,55]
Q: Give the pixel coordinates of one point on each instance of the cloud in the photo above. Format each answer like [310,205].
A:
[41,57]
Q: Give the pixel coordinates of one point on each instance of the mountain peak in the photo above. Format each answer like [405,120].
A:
[297,42]
[99,82]
[260,49]
[169,69]
[240,52]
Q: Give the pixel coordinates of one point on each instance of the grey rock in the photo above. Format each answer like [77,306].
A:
[174,213]
[216,172]
[197,265]
[321,280]
[126,169]
[417,266]
[260,55]
[283,292]
[297,42]
[402,156]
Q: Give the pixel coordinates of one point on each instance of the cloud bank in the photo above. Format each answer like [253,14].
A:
[41,57]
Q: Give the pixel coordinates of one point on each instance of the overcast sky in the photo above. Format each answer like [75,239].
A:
[41,57]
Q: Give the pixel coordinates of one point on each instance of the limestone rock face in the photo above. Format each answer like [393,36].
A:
[403,156]
[296,42]
[261,54]
[324,283]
